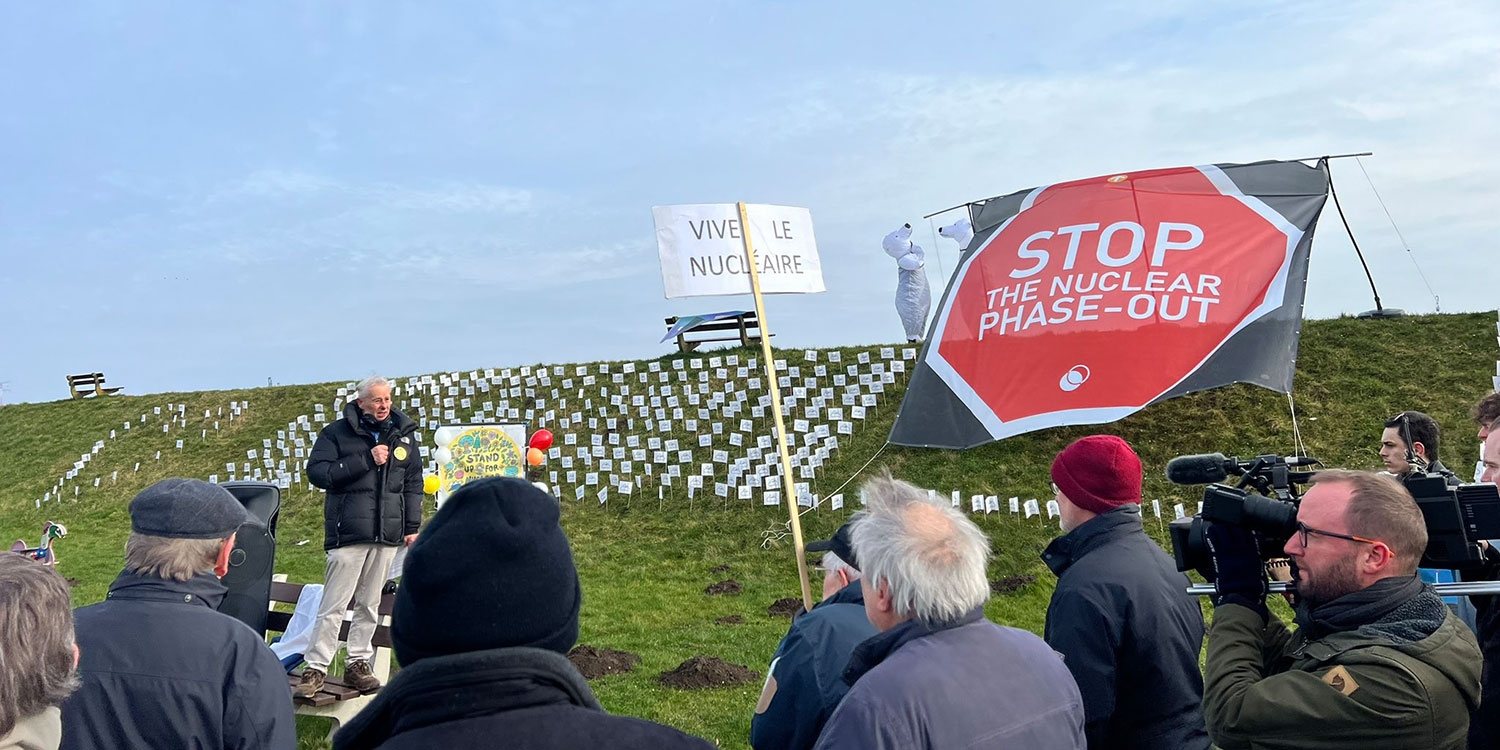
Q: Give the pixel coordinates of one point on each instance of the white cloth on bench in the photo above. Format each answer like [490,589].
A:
[298,635]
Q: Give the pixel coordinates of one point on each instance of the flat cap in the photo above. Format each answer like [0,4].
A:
[186,509]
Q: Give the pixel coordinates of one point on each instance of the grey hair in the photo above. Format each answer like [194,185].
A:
[363,389]
[930,557]
[833,564]
[36,640]
[173,559]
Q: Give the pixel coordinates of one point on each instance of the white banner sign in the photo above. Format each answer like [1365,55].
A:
[703,251]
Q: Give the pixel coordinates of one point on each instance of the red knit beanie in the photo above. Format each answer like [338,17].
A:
[1098,473]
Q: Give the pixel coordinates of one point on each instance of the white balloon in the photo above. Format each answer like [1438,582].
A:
[910,262]
[442,455]
[445,435]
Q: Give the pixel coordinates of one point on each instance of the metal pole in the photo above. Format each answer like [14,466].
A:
[1305,158]
[1462,588]
[788,483]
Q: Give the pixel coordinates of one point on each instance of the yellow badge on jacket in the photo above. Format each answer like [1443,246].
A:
[1339,679]
[400,453]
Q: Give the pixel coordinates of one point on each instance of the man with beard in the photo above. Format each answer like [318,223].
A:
[1376,661]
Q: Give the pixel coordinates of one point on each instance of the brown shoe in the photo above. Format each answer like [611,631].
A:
[311,683]
[358,675]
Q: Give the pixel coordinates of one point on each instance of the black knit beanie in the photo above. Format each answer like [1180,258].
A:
[491,570]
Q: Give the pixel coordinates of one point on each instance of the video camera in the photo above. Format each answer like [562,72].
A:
[1457,516]
[1271,515]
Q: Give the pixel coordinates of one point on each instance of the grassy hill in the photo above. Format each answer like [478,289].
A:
[645,562]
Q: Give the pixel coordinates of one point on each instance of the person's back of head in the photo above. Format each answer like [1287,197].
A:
[840,566]
[1094,475]
[37,654]
[922,555]
[491,570]
[180,528]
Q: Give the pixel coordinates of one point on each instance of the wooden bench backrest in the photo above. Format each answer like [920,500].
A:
[287,593]
[725,324]
[88,378]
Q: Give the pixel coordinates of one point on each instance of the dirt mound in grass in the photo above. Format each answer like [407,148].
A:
[1011,584]
[728,587]
[702,672]
[730,620]
[784,607]
[594,663]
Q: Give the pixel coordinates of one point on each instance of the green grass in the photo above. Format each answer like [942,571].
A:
[644,567]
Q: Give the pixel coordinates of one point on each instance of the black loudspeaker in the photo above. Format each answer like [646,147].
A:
[254,556]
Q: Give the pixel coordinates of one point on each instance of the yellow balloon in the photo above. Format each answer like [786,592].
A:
[431,484]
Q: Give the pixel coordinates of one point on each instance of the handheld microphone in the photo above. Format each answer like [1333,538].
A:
[1203,468]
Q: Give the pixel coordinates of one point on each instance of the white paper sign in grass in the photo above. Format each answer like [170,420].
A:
[702,249]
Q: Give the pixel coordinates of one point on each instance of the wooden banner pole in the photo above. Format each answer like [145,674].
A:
[788,484]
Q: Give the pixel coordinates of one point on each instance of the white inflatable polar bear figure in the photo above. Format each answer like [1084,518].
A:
[913,297]
[960,231]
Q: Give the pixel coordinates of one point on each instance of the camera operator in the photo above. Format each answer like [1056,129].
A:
[1409,445]
[1376,661]
[1484,731]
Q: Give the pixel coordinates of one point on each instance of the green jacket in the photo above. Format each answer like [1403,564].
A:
[1267,687]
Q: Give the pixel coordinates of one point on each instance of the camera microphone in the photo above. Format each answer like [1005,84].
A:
[1203,468]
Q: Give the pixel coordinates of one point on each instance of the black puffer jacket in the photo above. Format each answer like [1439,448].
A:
[367,503]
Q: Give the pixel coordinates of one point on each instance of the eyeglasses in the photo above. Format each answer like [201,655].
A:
[1303,530]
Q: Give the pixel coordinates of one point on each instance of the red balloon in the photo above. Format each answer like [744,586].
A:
[535,457]
[541,440]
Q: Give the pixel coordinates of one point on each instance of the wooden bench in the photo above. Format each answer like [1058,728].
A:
[336,701]
[745,326]
[92,380]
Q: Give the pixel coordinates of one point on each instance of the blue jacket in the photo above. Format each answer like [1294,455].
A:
[1129,633]
[972,685]
[161,668]
[806,679]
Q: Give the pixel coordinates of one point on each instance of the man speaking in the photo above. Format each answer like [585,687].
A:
[1377,660]
[369,465]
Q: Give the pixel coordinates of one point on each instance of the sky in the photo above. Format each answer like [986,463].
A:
[211,195]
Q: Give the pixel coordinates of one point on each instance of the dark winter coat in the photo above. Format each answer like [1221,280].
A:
[365,503]
[519,698]
[806,680]
[1130,634]
[972,685]
[1484,723]
[1405,679]
[162,668]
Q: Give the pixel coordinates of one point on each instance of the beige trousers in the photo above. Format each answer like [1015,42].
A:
[358,572]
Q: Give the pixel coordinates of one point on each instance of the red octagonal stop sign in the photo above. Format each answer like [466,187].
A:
[1100,295]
